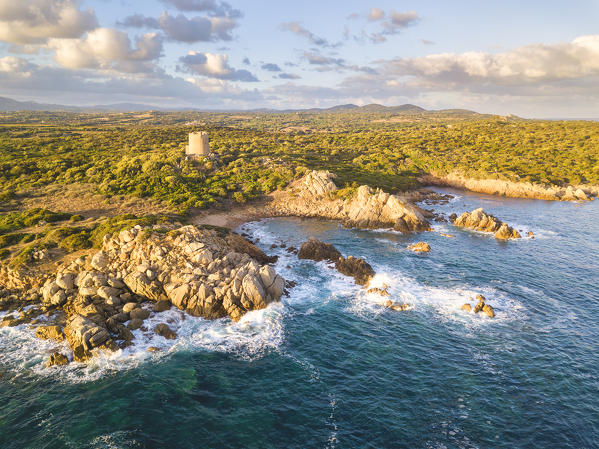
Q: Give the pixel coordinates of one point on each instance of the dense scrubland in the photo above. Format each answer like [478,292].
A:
[141,155]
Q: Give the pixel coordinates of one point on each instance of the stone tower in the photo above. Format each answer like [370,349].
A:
[198,145]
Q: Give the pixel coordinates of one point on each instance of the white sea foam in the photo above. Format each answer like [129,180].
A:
[258,331]
[255,333]
[446,302]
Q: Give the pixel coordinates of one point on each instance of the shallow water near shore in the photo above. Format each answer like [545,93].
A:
[330,367]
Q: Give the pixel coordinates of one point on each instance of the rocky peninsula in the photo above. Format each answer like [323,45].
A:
[513,189]
[95,302]
[316,195]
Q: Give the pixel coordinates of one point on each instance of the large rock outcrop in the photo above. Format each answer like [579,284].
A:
[480,221]
[316,250]
[95,304]
[315,196]
[514,189]
[355,267]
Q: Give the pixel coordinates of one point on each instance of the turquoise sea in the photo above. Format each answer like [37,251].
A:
[329,367]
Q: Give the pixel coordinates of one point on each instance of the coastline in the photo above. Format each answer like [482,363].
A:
[235,216]
[512,189]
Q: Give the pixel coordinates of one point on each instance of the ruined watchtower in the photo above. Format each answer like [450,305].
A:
[198,145]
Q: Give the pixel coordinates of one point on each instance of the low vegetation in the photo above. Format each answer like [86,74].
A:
[141,155]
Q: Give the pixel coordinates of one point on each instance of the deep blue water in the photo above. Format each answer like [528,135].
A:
[331,368]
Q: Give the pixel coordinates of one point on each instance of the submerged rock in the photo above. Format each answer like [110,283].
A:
[395,306]
[481,221]
[380,291]
[163,330]
[56,358]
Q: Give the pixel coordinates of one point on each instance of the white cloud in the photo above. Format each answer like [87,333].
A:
[108,49]
[213,65]
[392,23]
[34,21]
[18,77]
[376,14]
[212,7]
[299,30]
[524,65]
[12,64]
[328,63]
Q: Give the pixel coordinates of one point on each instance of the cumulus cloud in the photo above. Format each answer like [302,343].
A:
[13,64]
[299,30]
[20,77]
[34,21]
[524,65]
[212,7]
[183,29]
[271,67]
[108,49]
[213,66]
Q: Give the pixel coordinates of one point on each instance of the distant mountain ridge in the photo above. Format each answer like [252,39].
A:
[10,105]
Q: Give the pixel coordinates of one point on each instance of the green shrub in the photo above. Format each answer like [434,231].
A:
[18,220]
[7,195]
[75,242]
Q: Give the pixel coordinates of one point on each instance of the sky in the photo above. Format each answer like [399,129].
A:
[529,58]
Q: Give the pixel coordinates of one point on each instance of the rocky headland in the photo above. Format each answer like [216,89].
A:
[513,189]
[316,195]
[94,303]
[478,220]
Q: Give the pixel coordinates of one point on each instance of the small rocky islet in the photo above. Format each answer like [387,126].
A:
[479,220]
[94,303]
[480,306]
